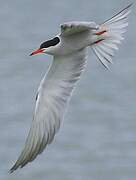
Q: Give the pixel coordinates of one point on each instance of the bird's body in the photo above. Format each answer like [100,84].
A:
[69,50]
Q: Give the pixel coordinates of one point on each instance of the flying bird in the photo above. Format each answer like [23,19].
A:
[69,51]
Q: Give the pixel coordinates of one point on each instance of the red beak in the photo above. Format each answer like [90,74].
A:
[37,52]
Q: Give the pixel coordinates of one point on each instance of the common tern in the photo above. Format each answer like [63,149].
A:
[69,51]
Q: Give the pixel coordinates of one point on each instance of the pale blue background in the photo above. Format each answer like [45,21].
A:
[97,140]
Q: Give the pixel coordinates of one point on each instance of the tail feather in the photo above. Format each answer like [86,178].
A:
[109,35]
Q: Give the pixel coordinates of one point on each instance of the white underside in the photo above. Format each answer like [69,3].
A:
[53,95]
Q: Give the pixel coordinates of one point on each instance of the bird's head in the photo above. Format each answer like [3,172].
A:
[48,47]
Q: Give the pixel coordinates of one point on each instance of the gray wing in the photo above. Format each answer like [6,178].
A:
[70,28]
[53,95]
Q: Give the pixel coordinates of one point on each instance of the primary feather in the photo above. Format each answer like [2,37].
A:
[53,95]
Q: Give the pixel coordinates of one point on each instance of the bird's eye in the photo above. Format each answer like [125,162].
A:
[49,43]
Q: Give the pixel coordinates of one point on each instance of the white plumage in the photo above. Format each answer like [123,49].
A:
[69,61]
[114,28]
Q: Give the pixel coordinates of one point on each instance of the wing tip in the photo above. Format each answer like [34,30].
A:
[126,9]
[16,166]
[12,169]
[130,4]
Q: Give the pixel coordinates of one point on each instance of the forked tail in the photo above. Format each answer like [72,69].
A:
[109,35]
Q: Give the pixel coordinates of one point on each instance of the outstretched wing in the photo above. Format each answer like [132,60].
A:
[70,28]
[109,35]
[53,94]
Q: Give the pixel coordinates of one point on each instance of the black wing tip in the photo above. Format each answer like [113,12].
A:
[130,4]
[127,8]
[15,167]
[12,170]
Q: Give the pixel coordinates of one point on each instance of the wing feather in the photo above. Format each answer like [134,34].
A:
[53,95]
[112,33]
